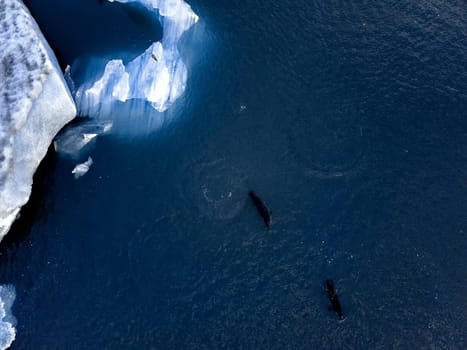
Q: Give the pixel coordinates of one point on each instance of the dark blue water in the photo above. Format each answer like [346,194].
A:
[96,28]
[348,118]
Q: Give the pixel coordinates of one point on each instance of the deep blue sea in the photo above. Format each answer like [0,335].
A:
[349,118]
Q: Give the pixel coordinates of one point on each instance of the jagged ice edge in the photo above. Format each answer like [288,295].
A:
[157,76]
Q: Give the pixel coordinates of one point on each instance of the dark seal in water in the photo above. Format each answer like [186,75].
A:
[262,208]
[335,304]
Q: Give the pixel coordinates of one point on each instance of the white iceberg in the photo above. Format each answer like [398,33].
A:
[157,76]
[35,104]
[81,169]
[7,320]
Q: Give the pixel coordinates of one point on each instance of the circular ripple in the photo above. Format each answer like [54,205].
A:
[330,145]
[216,189]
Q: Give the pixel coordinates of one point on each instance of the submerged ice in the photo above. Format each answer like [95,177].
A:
[77,138]
[157,76]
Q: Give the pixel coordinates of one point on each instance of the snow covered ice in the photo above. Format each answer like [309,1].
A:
[157,76]
[7,320]
[35,104]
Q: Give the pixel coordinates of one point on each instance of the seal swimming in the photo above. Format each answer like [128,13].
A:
[335,304]
[262,208]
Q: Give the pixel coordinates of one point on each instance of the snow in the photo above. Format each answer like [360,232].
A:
[7,320]
[34,105]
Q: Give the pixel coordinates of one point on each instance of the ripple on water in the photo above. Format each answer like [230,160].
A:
[217,189]
[328,145]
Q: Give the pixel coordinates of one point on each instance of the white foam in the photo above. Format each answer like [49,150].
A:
[34,105]
[158,75]
[7,320]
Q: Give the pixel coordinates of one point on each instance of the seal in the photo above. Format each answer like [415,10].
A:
[335,304]
[262,208]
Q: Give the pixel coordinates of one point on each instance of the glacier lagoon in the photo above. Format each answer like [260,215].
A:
[347,119]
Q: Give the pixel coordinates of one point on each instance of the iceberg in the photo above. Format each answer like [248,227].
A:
[82,168]
[79,136]
[35,104]
[7,320]
[157,76]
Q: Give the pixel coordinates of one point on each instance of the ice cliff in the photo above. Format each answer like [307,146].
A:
[157,76]
[34,105]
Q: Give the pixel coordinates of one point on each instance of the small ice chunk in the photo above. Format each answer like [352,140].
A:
[82,169]
[7,320]
[88,137]
[77,138]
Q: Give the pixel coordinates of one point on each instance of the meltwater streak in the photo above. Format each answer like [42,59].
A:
[157,76]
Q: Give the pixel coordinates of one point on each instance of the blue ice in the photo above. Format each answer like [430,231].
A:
[158,76]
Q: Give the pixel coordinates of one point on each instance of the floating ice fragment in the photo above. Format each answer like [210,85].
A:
[82,169]
[77,138]
[7,320]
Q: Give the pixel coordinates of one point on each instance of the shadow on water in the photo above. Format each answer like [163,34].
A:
[36,207]
[123,28]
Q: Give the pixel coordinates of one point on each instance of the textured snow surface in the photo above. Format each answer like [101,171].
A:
[7,320]
[158,75]
[34,105]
